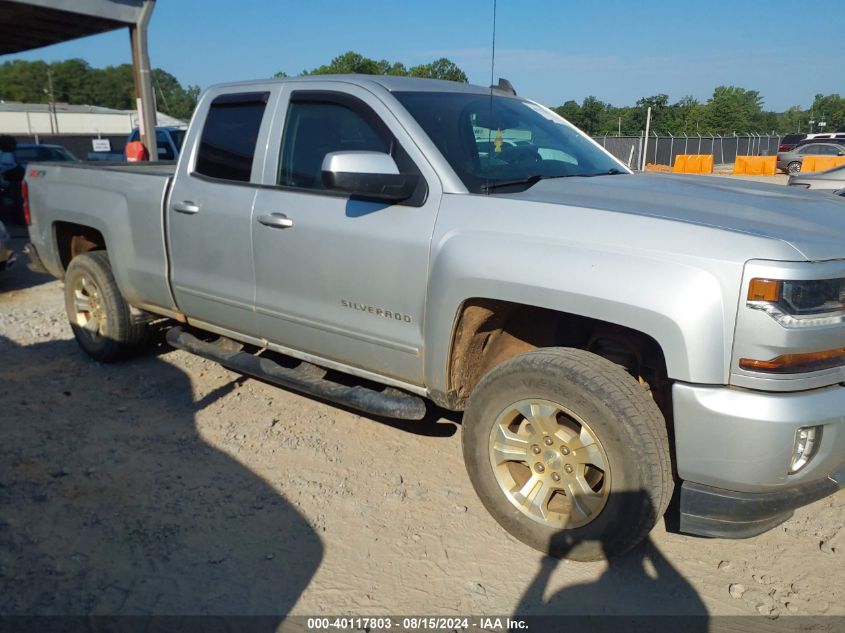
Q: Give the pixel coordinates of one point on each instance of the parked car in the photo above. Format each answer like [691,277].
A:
[12,168]
[827,181]
[827,137]
[7,257]
[168,139]
[790,162]
[39,152]
[611,338]
[788,142]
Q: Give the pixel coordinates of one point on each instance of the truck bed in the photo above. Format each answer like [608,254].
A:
[124,202]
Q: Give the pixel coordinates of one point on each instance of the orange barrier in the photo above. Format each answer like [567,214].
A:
[657,167]
[693,164]
[821,163]
[756,165]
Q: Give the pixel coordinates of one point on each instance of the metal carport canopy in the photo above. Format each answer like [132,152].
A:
[28,24]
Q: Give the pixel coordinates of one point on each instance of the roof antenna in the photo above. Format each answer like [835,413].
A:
[493,54]
[492,72]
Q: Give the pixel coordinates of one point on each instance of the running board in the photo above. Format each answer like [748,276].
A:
[306,378]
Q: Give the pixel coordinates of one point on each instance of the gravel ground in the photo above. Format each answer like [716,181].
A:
[168,485]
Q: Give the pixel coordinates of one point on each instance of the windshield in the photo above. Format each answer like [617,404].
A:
[40,153]
[504,143]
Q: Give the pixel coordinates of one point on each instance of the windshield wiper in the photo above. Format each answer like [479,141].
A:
[610,172]
[531,180]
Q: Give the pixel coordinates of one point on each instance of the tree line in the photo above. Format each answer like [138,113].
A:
[351,62]
[74,81]
[730,109]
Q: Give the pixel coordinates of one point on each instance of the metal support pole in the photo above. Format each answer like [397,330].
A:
[640,151]
[645,138]
[656,143]
[671,150]
[143,80]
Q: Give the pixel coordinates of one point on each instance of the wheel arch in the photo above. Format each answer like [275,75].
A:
[72,239]
[487,332]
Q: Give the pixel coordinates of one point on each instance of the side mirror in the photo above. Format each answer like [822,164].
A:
[372,175]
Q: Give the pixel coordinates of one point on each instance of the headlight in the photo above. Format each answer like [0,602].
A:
[798,304]
[806,303]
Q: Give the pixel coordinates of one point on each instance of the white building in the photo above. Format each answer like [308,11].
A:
[30,119]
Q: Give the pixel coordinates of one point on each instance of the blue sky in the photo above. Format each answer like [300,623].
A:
[551,51]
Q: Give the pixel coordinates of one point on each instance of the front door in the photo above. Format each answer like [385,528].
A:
[343,279]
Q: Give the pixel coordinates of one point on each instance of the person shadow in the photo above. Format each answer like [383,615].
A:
[113,504]
[640,590]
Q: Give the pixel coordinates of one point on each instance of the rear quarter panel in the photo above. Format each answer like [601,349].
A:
[124,203]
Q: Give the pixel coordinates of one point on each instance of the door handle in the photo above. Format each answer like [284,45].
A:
[186,206]
[276,220]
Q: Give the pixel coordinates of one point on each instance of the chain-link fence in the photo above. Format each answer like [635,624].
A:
[662,150]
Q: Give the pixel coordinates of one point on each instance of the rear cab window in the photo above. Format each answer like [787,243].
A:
[230,132]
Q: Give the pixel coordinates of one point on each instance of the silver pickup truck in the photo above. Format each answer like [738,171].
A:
[616,341]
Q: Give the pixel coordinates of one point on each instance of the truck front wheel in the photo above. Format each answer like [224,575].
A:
[100,318]
[568,452]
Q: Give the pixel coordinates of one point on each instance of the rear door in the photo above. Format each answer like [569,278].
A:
[210,210]
[343,279]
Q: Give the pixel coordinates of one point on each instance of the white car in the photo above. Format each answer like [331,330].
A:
[830,181]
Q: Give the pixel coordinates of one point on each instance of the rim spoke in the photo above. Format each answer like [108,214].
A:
[575,440]
[584,501]
[92,326]
[81,302]
[534,496]
[509,447]
[542,416]
[589,455]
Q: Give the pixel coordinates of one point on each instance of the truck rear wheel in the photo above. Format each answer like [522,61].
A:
[568,452]
[100,318]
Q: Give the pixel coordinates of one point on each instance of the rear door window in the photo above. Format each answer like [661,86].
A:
[229,136]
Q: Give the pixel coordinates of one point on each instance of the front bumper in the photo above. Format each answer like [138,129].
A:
[733,449]
[708,511]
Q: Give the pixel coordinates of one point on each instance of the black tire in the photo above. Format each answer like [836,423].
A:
[121,333]
[624,418]
[793,168]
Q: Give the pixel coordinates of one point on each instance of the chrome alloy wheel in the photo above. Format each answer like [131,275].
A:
[89,312]
[549,464]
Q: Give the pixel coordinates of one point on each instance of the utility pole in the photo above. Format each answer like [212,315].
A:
[645,143]
[54,119]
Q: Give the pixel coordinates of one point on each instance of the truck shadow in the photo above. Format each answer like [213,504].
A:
[112,504]
[640,590]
